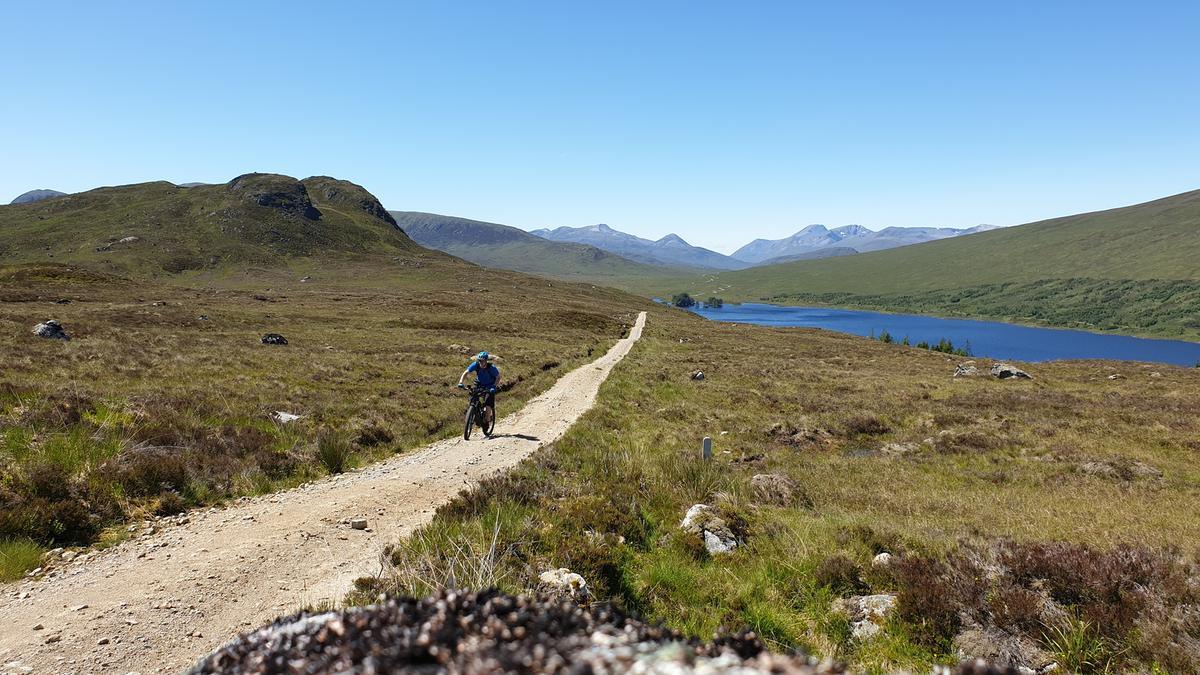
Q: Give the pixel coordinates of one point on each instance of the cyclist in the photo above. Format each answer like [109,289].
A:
[487,376]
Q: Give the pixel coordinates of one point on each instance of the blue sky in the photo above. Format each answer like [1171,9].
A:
[720,121]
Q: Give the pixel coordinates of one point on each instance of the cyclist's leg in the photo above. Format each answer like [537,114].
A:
[490,406]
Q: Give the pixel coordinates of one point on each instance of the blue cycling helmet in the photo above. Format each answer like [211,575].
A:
[482,356]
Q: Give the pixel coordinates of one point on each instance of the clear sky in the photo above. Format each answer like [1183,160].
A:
[719,121]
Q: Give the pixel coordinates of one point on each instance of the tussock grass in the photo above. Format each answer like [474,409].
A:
[18,556]
[989,476]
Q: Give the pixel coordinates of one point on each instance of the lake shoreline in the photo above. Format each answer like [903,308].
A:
[986,338]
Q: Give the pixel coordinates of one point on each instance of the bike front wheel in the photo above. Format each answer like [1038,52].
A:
[470,421]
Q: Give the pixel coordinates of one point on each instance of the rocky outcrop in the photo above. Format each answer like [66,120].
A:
[345,193]
[51,330]
[282,193]
[273,339]
[967,369]
[702,520]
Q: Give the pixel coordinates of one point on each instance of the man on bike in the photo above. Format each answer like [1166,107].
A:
[487,377]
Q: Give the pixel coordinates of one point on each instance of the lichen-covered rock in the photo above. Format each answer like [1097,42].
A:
[563,581]
[1006,371]
[867,613]
[967,369]
[1000,648]
[702,520]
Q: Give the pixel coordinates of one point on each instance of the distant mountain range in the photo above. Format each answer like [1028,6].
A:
[37,196]
[495,245]
[814,241]
[859,239]
[671,250]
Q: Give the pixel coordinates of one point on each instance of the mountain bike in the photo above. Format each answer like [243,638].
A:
[479,414]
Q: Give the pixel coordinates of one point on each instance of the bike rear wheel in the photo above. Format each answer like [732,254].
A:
[486,422]
[470,421]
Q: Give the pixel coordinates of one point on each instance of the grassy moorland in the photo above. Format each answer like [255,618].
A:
[1050,519]
[163,399]
[1129,270]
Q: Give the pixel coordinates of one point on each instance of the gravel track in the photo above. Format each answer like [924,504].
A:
[161,600]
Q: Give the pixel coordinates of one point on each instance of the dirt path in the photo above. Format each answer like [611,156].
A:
[161,600]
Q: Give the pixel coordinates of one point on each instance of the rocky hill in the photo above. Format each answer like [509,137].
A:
[159,227]
[37,196]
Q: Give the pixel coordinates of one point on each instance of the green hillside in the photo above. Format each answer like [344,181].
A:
[160,229]
[1130,269]
[494,245]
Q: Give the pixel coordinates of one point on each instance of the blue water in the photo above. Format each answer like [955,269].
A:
[986,338]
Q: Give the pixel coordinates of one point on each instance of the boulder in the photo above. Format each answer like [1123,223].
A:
[358,523]
[563,581]
[966,369]
[51,330]
[274,339]
[702,520]
[1006,371]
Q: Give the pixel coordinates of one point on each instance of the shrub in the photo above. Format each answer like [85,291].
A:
[867,425]
[683,300]
[840,574]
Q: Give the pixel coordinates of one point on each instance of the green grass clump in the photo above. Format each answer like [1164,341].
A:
[18,556]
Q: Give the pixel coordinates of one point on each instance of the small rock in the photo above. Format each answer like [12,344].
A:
[967,369]
[68,555]
[51,330]
[882,560]
[899,449]
[1006,371]
[102,641]
[358,523]
[79,608]
[867,613]
[563,580]
[305,280]
[127,240]
[51,639]
[38,626]
[274,339]
[284,417]
[1116,376]
[698,375]
[1156,374]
